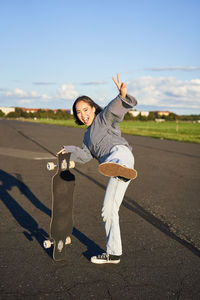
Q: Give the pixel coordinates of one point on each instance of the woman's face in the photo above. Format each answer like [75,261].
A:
[85,112]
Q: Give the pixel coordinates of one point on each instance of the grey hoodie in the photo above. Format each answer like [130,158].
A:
[104,133]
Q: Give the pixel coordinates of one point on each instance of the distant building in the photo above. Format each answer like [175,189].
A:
[160,120]
[157,113]
[28,110]
[136,113]
[7,110]
[34,110]
[144,113]
[162,113]
[63,110]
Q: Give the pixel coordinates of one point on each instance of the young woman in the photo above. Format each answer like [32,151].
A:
[103,141]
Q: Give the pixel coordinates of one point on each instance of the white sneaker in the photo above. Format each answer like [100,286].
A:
[105,258]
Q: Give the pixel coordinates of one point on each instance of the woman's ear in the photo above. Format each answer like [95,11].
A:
[94,109]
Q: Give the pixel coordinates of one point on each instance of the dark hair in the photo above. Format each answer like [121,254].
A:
[89,101]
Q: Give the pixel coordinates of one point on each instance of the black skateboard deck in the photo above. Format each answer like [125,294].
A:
[61,224]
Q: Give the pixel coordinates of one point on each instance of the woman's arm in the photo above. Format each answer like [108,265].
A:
[80,155]
[117,108]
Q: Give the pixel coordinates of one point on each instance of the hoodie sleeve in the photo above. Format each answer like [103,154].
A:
[117,108]
[79,155]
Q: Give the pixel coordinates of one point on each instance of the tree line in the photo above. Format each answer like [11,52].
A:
[64,115]
[39,114]
[155,115]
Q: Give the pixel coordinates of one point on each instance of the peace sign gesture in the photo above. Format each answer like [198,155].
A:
[121,86]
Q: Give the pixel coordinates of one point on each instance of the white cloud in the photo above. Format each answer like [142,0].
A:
[67,92]
[34,94]
[21,94]
[46,97]
[166,91]
[18,96]
[157,92]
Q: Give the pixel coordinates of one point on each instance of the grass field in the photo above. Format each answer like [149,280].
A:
[179,131]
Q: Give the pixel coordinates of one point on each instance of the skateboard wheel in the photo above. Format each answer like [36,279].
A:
[68,240]
[71,164]
[51,166]
[64,164]
[47,244]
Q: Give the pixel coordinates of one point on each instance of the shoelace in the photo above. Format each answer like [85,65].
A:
[103,256]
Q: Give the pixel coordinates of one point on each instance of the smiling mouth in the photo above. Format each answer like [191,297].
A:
[85,120]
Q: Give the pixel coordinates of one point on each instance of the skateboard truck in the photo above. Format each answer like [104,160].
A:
[48,243]
[51,165]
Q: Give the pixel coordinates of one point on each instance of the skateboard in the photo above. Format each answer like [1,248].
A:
[61,224]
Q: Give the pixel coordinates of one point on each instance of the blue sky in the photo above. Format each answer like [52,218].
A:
[52,51]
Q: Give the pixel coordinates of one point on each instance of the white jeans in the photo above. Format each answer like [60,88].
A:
[114,195]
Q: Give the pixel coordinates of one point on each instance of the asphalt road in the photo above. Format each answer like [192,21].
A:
[159,217]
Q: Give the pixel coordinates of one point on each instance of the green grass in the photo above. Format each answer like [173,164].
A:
[69,123]
[181,131]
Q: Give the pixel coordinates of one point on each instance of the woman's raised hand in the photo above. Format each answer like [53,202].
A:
[61,151]
[122,87]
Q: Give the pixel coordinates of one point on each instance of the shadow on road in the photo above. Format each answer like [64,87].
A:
[92,247]
[26,221]
[147,216]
